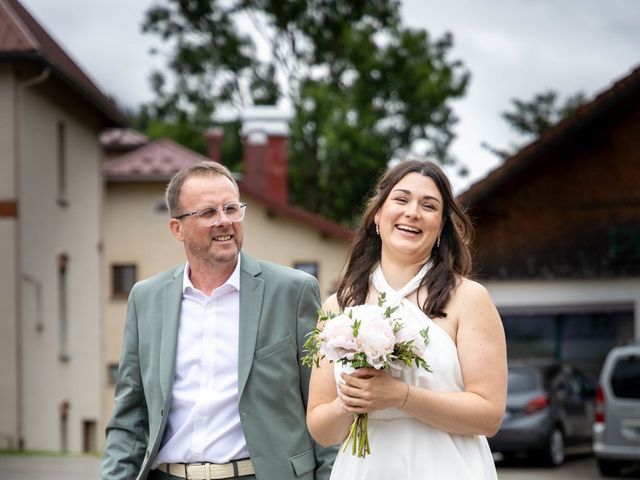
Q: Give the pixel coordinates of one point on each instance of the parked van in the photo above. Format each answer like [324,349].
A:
[616,431]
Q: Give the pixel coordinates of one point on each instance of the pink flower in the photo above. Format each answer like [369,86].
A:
[337,338]
[376,339]
[411,331]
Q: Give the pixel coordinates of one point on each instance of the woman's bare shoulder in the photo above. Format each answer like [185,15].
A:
[469,293]
[466,286]
[331,304]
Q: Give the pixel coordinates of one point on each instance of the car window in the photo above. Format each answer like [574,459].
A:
[582,384]
[560,384]
[522,380]
[625,379]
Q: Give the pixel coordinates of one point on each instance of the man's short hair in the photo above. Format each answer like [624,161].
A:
[202,169]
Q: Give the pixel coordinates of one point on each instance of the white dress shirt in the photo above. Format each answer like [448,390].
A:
[204,423]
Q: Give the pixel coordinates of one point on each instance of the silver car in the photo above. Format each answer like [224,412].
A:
[550,408]
[616,431]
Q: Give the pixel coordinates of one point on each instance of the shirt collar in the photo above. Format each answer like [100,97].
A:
[232,281]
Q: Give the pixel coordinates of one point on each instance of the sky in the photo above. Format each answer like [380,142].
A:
[512,48]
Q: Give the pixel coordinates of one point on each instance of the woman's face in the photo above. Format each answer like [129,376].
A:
[410,219]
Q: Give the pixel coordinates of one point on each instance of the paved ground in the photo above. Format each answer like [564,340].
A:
[49,468]
[86,468]
[581,467]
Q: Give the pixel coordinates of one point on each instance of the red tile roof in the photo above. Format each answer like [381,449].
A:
[122,139]
[155,161]
[22,37]
[563,130]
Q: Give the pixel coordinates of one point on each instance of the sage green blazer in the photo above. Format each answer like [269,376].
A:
[278,307]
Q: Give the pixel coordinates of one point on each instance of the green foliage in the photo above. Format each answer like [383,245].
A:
[364,88]
[537,115]
[312,344]
[532,118]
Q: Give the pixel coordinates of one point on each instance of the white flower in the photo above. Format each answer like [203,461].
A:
[375,335]
[337,338]
[411,331]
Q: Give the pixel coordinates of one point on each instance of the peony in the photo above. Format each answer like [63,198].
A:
[336,339]
[376,339]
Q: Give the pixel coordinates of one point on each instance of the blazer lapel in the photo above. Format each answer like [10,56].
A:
[169,335]
[251,293]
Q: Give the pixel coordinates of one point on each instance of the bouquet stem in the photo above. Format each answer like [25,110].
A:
[358,436]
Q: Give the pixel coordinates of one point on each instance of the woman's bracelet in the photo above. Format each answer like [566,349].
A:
[405,397]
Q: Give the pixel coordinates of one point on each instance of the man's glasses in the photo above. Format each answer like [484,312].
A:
[210,216]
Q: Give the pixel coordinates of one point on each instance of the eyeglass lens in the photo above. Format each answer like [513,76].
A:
[211,216]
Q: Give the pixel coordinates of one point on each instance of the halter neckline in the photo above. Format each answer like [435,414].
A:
[395,296]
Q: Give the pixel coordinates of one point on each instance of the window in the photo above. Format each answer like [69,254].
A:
[310,267]
[61,163]
[63,334]
[89,436]
[522,380]
[160,206]
[123,277]
[625,379]
[112,373]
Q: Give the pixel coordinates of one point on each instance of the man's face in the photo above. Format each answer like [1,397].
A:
[214,245]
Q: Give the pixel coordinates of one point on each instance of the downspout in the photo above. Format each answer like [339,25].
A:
[20,86]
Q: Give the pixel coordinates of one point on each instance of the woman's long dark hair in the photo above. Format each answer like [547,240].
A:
[449,261]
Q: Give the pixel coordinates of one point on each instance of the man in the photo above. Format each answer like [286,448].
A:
[210,384]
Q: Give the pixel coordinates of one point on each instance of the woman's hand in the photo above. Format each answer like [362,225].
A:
[367,390]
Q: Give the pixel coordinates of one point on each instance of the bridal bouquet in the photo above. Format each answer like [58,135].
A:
[366,336]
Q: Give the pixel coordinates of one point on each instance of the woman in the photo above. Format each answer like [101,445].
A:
[413,246]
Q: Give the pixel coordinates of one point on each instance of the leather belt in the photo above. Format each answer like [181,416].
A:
[209,471]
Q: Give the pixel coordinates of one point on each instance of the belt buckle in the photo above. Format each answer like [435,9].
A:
[205,472]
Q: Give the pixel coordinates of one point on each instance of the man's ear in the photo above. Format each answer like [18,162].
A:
[176,227]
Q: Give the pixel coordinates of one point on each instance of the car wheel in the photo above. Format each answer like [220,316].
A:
[610,468]
[555,454]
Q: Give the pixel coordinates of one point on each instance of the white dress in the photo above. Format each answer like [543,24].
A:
[403,447]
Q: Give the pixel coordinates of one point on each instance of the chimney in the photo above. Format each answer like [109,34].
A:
[213,137]
[264,132]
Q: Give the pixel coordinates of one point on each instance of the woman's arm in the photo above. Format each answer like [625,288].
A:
[327,420]
[483,359]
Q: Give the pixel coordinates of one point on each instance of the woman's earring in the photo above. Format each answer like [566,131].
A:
[438,242]
[377,230]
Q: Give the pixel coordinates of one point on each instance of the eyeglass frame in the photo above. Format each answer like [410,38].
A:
[220,210]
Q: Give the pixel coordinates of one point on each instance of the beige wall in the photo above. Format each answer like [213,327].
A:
[46,230]
[8,303]
[136,233]
[284,241]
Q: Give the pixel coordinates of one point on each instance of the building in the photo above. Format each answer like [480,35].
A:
[138,243]
[558,233]
[51,114]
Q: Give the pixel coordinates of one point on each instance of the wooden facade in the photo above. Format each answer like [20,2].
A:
[568,205]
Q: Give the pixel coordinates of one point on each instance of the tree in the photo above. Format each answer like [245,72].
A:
[364,88]
[532,118]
